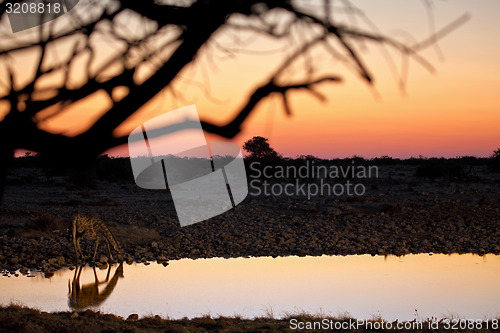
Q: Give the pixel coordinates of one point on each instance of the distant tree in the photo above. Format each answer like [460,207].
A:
[259,148]
[494,163]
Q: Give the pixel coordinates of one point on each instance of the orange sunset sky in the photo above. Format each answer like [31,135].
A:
[452,112]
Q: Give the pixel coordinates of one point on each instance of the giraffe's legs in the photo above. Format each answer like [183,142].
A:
[107,275]
[96,245]
[109,250]
[74,288]
[78,249]
[95,277]
[78,277]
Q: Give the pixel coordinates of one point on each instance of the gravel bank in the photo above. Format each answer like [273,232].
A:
[398,215]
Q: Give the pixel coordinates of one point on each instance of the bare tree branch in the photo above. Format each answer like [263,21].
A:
[168,38]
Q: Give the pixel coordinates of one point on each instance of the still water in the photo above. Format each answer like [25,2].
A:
[401,288]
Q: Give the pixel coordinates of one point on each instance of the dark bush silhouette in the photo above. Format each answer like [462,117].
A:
[494,162]
[47,222]
[114,169]
[455,168]
[385,160]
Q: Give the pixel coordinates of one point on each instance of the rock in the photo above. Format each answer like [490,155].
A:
[103,260]
[133,316]
[102,266]
[334,211]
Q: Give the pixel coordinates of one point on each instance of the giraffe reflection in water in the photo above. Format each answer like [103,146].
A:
[88,295]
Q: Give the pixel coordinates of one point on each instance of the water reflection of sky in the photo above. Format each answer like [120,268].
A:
[438,285]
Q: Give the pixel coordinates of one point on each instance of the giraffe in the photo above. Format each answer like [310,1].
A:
[88,295]
[93,228]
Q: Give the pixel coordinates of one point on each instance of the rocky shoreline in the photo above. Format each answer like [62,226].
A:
[397,216]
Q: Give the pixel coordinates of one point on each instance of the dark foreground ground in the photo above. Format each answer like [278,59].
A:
[398,214]
[16,319]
